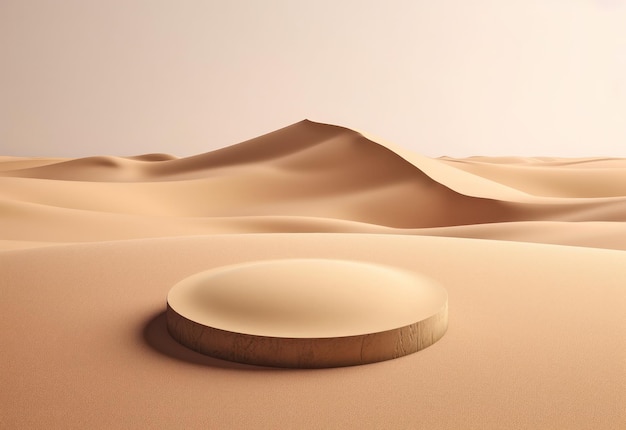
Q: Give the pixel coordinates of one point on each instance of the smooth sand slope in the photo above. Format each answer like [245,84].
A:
[91,247]
[305,177]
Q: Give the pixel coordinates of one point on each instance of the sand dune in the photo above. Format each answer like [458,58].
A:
[89,248]
[8,164]
[304,170]
[553,178]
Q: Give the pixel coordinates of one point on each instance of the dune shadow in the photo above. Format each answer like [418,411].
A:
[154,333]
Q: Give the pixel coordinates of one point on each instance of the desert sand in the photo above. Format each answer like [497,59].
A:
[530,251]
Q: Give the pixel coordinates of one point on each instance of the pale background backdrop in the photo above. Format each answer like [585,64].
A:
[442,77]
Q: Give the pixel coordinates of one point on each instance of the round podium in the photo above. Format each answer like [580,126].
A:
[307,313]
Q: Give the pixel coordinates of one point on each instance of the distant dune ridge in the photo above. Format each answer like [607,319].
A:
[530,250]
[307,177]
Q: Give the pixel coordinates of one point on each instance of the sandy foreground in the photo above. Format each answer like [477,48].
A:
[531,252]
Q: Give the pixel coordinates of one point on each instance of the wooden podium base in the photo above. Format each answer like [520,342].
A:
[307,313]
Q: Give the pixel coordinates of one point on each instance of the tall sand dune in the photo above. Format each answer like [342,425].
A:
[530,250]
[304,170]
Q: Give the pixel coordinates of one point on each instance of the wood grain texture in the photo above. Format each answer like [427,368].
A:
[308,352]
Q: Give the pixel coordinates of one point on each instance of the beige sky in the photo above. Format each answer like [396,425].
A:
[446,77]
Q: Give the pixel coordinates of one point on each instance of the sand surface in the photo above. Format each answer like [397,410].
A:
[531,252]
